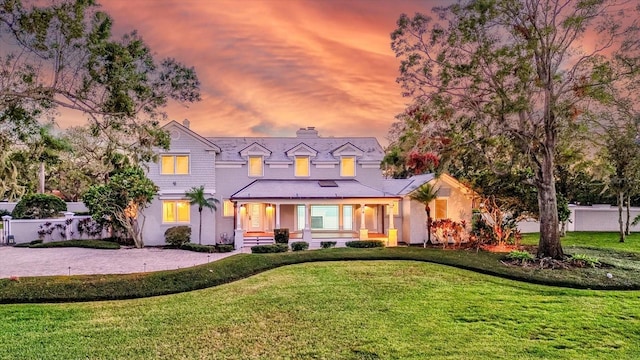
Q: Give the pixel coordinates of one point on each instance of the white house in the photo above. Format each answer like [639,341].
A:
[320,188]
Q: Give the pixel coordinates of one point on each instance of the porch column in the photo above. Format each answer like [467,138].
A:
[393,232]
[306,232]
[364,233]
[239,233]
[277,215]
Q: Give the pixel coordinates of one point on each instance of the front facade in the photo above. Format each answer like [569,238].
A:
[320,188]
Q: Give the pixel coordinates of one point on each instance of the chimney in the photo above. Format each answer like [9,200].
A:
[186,123]
[308,132]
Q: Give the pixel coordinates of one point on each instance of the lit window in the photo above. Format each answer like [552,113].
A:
[175,164]
[441,209]
[348,166]
[227,208]
[174,211]
[255,166]
[302,166]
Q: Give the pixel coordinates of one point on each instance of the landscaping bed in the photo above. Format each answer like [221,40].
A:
[111,287]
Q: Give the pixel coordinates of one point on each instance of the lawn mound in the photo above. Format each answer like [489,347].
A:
[624,276]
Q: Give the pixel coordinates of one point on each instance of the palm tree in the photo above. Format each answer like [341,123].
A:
[196,196]
[425,194]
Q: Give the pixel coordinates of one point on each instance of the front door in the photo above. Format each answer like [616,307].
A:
[255,217]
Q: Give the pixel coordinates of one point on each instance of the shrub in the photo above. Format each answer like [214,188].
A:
[327,244]
[266,249]
[281,236]
[520,256]
[38,206]
[365,244]
[198,248]
[178,235]
[299,245]
[224,248]
[88,244]
[583,260]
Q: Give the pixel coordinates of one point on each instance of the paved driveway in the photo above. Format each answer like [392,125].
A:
[62,261]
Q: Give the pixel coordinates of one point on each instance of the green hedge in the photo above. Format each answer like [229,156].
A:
[89,244]
[365,244]
[207,248]
[328,244]
[299,245]
[178,235]
[269,249]
[128,286]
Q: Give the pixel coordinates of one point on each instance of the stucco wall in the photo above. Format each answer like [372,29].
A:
[588,218]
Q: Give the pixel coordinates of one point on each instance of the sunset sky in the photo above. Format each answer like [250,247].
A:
[269,67]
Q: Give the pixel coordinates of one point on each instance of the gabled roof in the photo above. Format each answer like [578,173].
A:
[255,149]
[302,149]
[279,146]
[404,187]
[347,149]
[308,189]
[204,141]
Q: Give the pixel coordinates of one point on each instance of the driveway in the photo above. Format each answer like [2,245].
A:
[77,261]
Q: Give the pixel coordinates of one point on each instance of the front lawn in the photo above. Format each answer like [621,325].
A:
[338,310]
[592,239]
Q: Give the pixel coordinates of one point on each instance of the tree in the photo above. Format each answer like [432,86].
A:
[514,71]
[64,55]
[120,202]
[198,197]
[425,194]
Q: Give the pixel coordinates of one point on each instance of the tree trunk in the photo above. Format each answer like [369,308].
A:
[549,245]
[620,221]
[41,178]
[428,210]
[628,205]
[200,230]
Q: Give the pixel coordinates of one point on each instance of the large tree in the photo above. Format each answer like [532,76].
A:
[513,70]
[62,54]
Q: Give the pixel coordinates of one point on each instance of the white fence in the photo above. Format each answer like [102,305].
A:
[588,218]
[67,228]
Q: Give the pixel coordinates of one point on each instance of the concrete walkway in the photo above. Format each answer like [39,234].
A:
[77,261]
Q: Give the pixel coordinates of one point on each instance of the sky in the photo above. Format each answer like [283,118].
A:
[270,67]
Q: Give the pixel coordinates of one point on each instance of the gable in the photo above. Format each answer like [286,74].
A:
[347,149]
[302,149]
[255,149]
[179,132]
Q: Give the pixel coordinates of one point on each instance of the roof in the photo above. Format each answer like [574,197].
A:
[308,189]
[231,147]
[193,134]
[405,186]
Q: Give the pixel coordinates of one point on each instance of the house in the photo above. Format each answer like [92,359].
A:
[320,188]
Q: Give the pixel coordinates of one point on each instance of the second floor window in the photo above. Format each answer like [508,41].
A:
[175,164]
[255,166]
[348,166]
[302,166]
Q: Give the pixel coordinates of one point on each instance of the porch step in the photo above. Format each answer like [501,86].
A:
[253,241]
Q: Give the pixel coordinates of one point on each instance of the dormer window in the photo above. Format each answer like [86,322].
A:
[256,166]
[302,166]
[348,166]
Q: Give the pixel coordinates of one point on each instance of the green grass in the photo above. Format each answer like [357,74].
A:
[129,286]
[592,239]
[338,310]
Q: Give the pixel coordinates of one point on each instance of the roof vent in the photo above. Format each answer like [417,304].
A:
[186,123]
[327,183]
[309,132]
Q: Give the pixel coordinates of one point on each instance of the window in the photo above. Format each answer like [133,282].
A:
[227,208]
[324,217]
[255,166]
[347,217]
[302,166]
[175,164]
[441,209]
[301,217]
[348,166]
[176,211]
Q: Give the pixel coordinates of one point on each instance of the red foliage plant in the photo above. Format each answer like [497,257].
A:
[420,163]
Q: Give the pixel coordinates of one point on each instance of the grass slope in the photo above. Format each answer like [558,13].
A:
[337,310]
